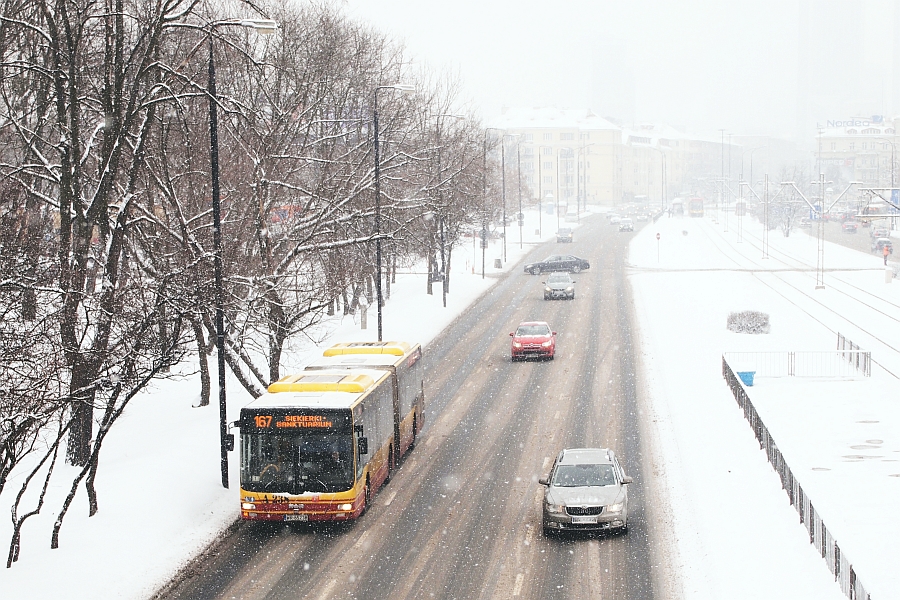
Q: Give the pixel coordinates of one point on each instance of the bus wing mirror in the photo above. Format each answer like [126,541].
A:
[228,441]
[363,445]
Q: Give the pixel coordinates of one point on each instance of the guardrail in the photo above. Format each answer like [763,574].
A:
[819,536]
[825,363]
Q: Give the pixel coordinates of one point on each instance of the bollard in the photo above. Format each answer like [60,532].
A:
[498,263]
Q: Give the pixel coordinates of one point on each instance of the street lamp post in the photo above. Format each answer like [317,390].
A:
[541,190]
[484,222]
[406,89]
[520,217]
[441,208]
[263,26]
[503,179]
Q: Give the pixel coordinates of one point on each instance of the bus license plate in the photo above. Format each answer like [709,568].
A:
[300,517]
[584,519]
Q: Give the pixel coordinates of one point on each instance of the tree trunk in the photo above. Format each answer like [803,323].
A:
[204,362]
[446,281]
[81,397]
[346,304]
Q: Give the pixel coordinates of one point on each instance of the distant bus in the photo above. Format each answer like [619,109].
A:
[695,207]
[316,446]
[677,207]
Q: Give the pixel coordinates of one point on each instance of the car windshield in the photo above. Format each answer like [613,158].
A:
[293,464]
[584,475]
[526,330]
[559,278]
[564,231]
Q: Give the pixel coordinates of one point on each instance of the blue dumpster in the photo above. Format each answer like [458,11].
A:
[747,377]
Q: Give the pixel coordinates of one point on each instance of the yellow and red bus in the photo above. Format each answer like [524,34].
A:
[404,361]
[317,445]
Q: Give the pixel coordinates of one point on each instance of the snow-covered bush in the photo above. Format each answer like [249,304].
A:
[748,321]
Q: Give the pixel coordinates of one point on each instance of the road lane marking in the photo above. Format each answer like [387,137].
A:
[389,499]
[546,463]
[520,579]
[556,416]
[362,539]
[326,591]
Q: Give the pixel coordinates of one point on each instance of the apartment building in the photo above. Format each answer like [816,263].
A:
[567,154]
[860,149]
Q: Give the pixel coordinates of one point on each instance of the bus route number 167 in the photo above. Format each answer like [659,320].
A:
[263,420]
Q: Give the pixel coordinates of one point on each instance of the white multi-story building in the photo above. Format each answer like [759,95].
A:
[568,154]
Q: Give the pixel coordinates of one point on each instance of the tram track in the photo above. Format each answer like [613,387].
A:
[775,273]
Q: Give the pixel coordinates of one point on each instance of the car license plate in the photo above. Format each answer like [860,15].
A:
[301,517]
[591,519]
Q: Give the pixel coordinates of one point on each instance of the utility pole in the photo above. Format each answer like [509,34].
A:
[766,218]
[820,253]
[521,217]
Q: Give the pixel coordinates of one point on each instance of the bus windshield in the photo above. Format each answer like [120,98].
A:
[280,463]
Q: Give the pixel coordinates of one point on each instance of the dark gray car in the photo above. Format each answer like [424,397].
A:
[559,285]
[586,491]
[558,262]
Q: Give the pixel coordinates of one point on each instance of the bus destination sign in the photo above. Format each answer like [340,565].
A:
[293,422]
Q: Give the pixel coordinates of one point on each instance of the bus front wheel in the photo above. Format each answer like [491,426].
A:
[366,498]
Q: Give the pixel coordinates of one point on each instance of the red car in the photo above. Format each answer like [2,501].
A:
[533,338]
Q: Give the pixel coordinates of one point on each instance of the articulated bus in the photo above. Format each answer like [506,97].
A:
[404,362]
[695,207]
[317,445]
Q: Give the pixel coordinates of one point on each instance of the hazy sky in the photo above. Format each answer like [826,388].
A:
[700,65]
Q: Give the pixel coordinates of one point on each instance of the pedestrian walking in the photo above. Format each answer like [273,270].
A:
[885,250]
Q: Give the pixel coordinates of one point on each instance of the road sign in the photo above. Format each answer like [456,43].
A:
[657,237]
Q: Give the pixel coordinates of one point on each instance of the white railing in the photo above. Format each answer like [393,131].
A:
[825,363]
[819,535]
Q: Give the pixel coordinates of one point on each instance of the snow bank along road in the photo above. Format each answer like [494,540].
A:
[461,517]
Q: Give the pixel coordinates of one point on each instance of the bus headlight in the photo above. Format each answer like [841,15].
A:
[248,506]
[346,506]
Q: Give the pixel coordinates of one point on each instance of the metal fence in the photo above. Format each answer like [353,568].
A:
[819,536]
[852,354]
[825,363]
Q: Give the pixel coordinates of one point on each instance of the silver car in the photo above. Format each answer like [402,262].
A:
[559,285]
[586,490]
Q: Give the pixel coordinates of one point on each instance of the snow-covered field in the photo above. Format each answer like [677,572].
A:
[734,534]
